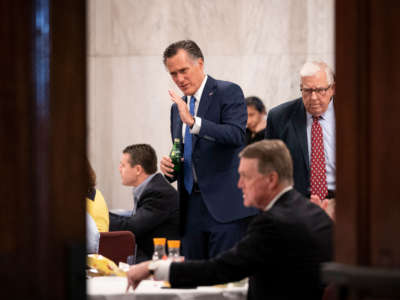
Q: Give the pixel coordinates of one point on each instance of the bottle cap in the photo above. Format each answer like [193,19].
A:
[174,243]
[159,241]
[177,140]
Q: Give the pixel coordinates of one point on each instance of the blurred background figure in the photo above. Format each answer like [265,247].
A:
[256,120]
[96,206]
[92,235]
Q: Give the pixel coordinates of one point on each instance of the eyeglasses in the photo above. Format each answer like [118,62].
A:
[319,91]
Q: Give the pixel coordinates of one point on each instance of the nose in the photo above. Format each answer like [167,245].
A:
[179,78]
[314,95]
[240,184]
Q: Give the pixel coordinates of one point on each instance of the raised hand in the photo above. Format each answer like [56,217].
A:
[328,205]
[184,112]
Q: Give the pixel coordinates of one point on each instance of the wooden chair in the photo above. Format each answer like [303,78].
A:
[117,245]
[330,292]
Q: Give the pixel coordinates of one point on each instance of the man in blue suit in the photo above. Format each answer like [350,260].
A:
[210,119]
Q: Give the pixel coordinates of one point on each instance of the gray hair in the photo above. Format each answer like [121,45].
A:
[192,49]
[272,155]
[313,67]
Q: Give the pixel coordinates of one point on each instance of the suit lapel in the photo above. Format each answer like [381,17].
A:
[207,96]
[300,126]
[205,101]
[149,186]
[178,123]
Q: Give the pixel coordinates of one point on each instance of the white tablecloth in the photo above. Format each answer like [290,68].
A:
[113,288]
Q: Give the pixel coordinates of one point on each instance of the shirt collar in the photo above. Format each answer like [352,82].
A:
[286,189]
[137,191]
[199,92]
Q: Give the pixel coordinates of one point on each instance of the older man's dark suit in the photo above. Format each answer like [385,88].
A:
[287,122]
[157,215]
[281,253]
[215,151]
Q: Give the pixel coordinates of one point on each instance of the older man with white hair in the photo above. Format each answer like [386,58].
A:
[307,126]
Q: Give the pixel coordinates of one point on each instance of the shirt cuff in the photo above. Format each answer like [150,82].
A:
[196,126]
[161,271]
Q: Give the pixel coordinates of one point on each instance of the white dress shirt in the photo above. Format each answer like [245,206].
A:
[197,121]
[286,189]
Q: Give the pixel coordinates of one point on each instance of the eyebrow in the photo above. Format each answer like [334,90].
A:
[178,71]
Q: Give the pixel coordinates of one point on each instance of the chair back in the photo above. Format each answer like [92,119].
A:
[330,292]
[117,245]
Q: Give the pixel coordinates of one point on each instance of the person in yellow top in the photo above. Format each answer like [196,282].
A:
[96,206]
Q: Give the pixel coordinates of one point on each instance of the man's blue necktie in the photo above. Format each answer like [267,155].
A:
[187,153]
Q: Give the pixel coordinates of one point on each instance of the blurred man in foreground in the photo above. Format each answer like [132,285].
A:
[283,247]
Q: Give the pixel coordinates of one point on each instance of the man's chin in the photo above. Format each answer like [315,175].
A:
[188,91]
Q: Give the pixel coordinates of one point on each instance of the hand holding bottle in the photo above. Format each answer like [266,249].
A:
[171,165]
[176,156]
[166,166]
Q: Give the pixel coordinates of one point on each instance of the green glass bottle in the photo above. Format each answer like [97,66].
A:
[175,156]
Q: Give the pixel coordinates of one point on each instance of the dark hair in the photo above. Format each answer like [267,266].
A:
[189,46]
[272,155]
[144,155]
[91,175]
[256,103]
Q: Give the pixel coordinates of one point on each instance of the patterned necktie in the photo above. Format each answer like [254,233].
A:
[187,153]
[318,170]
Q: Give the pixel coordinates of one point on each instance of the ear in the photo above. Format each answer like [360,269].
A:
[273,179]
[138,169]
[201,63]
[333,89]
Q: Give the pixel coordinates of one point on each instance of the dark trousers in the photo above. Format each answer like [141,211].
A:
[204,237]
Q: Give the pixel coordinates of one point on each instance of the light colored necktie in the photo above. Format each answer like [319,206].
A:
[318,169]
[187,153]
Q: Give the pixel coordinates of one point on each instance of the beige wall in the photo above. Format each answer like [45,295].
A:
[259,44]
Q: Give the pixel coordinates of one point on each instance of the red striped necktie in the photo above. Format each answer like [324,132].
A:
[318,169]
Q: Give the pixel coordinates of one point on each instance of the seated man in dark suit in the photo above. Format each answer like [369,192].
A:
[156,211]
[283,247]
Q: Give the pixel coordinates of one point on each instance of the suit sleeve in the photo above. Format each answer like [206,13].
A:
[171,122]
[269,132]
[251,255]
[150,214]
[230,129]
